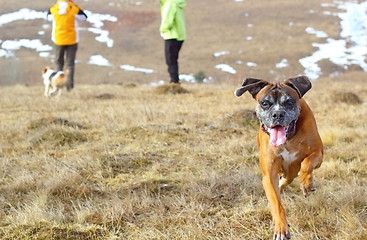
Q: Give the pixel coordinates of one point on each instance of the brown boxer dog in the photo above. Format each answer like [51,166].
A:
[288,140]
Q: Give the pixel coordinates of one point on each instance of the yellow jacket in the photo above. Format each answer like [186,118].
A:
[64,26]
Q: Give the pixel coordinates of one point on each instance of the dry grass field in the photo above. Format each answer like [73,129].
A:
[119,159]
[139,162]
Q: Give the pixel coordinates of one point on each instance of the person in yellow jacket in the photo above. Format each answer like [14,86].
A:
[64,15]
[173,31]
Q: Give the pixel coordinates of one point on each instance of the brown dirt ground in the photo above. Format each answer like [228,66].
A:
[277,28]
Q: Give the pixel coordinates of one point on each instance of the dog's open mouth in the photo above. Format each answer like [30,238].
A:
[278,134]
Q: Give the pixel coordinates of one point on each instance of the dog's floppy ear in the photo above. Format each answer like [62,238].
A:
[252,85]
[44,69]
[301,84]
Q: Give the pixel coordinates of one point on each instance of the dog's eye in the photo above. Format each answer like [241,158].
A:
[265,104]
[289,103]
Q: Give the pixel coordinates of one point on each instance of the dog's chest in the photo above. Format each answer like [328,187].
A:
[288,157]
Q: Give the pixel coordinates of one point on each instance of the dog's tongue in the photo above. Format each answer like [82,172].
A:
[277,136]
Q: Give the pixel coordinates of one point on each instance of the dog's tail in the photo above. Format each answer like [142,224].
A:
[65,73]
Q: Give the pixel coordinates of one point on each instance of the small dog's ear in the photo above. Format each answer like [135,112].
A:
[301,84]
[44,69]
[252,85]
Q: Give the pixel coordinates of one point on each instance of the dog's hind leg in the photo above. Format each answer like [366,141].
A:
[58,93]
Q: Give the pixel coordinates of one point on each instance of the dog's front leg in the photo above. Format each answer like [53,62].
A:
[308,165]
[47,89]
[270,169]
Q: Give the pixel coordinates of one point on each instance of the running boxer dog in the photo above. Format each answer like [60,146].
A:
[288,140]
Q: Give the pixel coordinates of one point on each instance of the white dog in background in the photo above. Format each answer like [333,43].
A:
[53,80]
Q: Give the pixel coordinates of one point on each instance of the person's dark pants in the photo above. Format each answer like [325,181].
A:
[172,48]
[66,55]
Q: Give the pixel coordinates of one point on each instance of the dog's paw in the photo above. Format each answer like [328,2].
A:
[307,190]
[282,233]
[282,236]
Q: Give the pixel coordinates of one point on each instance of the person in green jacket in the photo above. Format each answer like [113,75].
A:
[173,31]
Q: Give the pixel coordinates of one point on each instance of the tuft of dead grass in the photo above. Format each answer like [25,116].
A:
[170,89]
[58,137]
[128,163]
[105,96]
[44,231]
[242,118]
[46,122]
[347,97]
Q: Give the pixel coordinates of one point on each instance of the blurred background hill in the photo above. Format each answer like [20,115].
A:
[263,39]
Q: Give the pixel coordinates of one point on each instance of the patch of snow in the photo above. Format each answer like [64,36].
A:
[351,49]
[35,44]
[6,54]
[97,19]
[103,36]
[99,60]
[251,64]
[187,77]
[44,54]
[156,84]
[136,69]
[319,34]
[226,68]
[22,14]
[218,54]
[282,64]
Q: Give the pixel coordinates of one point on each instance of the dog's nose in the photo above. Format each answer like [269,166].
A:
[278,115]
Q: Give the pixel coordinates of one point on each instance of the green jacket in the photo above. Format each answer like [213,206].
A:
[173,19]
